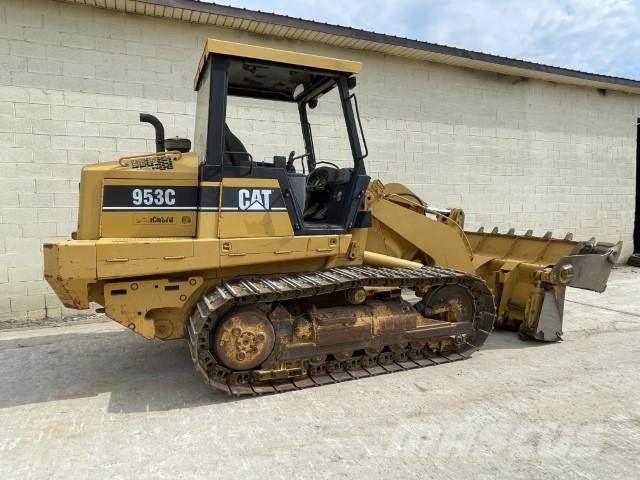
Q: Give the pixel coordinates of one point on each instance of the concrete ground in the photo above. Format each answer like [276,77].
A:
[96,401]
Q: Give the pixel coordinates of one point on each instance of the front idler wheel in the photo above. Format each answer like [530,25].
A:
[452,303]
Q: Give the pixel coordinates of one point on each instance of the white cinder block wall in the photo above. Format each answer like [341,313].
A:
[510,151]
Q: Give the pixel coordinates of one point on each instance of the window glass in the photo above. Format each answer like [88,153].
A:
[329,131]
[266,128]
[202,113]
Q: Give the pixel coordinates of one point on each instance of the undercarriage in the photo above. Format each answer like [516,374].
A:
[278,333]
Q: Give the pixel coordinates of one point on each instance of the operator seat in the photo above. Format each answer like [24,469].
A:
[235,153]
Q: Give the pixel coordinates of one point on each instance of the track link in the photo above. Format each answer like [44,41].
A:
[246,291]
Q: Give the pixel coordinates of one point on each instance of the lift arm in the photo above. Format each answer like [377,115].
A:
[528,275]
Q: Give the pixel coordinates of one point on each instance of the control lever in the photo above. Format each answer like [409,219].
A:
[290,160]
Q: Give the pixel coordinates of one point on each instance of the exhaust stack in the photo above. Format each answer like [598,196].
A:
[159,128]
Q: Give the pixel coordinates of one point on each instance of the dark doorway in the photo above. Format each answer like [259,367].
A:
[636,230]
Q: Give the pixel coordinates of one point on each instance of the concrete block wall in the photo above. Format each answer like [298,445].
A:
[511,152]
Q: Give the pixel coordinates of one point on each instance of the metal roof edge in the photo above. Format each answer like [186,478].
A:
[267,23]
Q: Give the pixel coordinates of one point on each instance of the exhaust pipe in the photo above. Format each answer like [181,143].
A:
[159,128]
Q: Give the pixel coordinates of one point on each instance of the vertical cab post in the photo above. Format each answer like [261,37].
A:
[307,135]
[217,116]
[350,120]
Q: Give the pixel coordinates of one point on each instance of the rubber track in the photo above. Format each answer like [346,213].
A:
[245,291]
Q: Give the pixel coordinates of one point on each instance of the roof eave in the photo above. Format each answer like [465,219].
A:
[293,28]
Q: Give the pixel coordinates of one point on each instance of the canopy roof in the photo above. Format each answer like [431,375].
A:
[271,73]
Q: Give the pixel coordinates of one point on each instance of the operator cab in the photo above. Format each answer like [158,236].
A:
[319,196]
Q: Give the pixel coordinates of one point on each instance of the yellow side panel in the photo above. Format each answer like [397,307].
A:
[154,256]
[117,249]
[253,224]
[247,251]
[159,219]
[252,207]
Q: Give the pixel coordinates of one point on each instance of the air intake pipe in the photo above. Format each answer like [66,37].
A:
[159,128]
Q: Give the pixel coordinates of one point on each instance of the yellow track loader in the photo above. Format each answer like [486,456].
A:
[295,272]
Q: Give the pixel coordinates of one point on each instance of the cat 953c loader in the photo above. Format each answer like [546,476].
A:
[294,272]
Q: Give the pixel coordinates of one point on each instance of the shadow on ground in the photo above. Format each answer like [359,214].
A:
[139,375]
[507,340]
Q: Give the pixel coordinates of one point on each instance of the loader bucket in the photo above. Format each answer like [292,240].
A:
[528,276]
